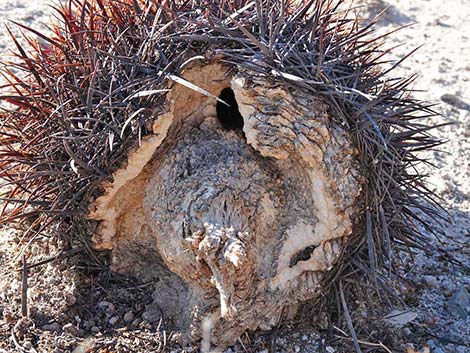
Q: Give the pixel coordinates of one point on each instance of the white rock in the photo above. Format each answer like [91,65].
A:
[431,281]
[70,328]
[330,349]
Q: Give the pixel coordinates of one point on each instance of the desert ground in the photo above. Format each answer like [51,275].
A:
[76,307]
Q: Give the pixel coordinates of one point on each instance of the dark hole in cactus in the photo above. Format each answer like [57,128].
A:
[229,116]
[302,255]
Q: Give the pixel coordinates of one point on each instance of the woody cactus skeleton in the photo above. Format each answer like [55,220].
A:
[234,153]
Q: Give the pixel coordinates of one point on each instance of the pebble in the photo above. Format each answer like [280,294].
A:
[431,281]
[113,321]
[70,328]
[152,314]
[455,101]
[27,345]
[296,349]
[85,346]
[304,338]
[107,306]
[95,329]
[70,299]
[54,327]
[136,322]
[103,304]
[407,331]
[458,302]
[400,318]
[128,317]
[330,349]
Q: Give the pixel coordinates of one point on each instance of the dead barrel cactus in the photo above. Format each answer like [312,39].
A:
[241,154]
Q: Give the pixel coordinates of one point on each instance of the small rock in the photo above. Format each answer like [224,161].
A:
[54,327]
[407,331]
[152,314]
[458,302]
[431,320]
[431,343]
[70,299]
[95,329]
[296,349]
[330,349]
[449,337]
[107,306]
[136,322]
[400,318]
[27,345]
[103,304]
[85,346]
[455,101]
[128,317]
[113,321]
[304,338]
[70,328]
[264,351]
[431,281]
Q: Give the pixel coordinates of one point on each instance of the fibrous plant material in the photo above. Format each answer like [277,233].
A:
[246,154]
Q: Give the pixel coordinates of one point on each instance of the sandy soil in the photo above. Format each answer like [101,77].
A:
[438,291]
